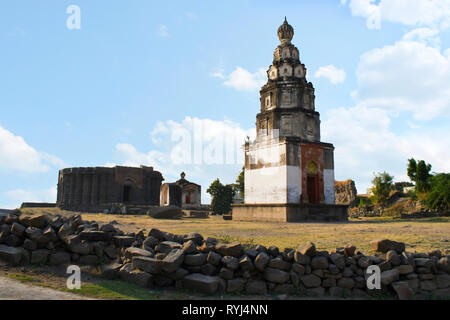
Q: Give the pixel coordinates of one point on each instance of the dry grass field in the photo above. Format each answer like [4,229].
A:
[420,235]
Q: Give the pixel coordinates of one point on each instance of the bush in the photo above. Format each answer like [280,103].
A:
[438,198]
[222,197]
[382,186]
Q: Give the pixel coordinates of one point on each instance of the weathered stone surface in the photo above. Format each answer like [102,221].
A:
[310,281]
[328,283]
[33,233]
[138,277]
[405,269]
[261,261]
[226,273]
[93,235]
[338,260]
[133,252]
[245,263]
[201,283]
[111,251]
[285,288]
[76,245]
[150,265]
[385,245]
[167,246]
[347,283]
[444,264]
[423,262]
[230,262]
[308,249]
[39,256]
[123,241]
[319,263]
[214,258]
[17,229]
[111,270]
[393,257]
[279,263]
[89,259]
[315,292]
[428,285]
[298,268]
[173,260]
[197,259]
[30,245]
[349,251]
[301,258]
[59,258]
[189,247]
[208,269]
[389,276]
[442,281]
[10,254]
[275,275]
[150,242]
[256,287]
[229,249]
[337,292]
[13,241]
[37,221]
[236,285]
[364,262]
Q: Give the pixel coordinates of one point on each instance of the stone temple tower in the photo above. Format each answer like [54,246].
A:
[289,172]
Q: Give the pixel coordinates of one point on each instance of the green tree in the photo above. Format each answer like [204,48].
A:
[438,198]
[222,197]
[381,187]
[419,172]
[240,182]
[412,169]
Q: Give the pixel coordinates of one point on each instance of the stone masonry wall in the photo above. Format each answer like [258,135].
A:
[161,259]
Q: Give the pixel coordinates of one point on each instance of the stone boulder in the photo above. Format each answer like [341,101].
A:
[201,283]
[308,249]
[147,264]
[275,275]
[10,254]
[229,249]
[385,245]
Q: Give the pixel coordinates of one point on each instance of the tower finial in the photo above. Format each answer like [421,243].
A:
[285,32]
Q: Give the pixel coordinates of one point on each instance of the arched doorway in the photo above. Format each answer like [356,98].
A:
[128,190]
[312,182]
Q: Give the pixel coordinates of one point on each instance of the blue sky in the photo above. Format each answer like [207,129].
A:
[115,90]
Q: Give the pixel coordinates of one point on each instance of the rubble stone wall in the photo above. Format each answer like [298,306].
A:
[159,259]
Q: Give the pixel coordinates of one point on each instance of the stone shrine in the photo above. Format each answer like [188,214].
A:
[289,172]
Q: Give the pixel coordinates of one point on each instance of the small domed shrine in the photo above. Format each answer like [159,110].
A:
[289,172]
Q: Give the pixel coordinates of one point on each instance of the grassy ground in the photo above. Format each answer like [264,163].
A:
[420,235]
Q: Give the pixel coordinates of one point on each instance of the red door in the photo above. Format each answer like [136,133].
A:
[312,189]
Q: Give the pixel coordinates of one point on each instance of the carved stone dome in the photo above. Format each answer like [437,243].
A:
[285,32]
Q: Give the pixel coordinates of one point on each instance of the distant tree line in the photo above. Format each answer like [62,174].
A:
[432,189]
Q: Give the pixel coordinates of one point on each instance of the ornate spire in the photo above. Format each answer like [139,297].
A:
[285,32]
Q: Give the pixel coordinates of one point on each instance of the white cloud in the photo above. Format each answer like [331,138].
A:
[16,197]
[243,80]
[407,76]
[163,32]
[16,154]
[331,73]
[425,35]
[203,148]
[365,144]
[431,13]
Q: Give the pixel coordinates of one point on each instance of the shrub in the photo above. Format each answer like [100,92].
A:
[439,196]
[382,186]
[222,197]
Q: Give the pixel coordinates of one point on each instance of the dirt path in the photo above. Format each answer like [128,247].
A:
[15,290]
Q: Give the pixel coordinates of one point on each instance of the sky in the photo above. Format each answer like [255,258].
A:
[104,83]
